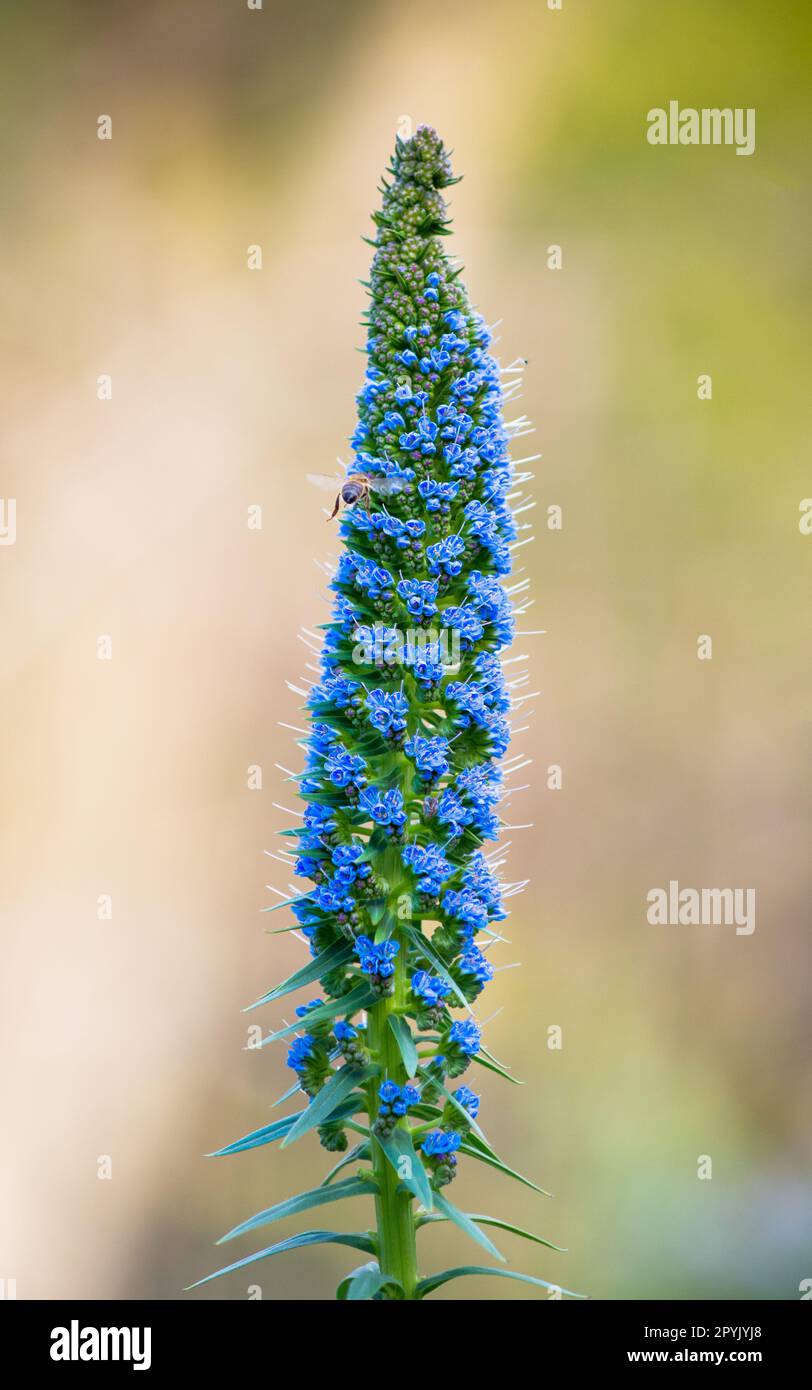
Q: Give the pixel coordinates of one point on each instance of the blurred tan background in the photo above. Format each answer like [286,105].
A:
[128,776]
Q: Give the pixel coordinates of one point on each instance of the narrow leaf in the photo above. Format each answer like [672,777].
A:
[423,944]
[268,1134]
[408,1165]
[359,998]
[489,1065]
[357,1240]
[435,1281]
[430,1218]
[337,954]
[405,1042]
[485,1052]
[294,1090]
[328,1099]
[287,902]
[465,1224]
[479,1151]
[449,1095]
[303,1201]
[355,1155]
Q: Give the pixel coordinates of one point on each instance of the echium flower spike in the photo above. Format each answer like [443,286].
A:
[402,778]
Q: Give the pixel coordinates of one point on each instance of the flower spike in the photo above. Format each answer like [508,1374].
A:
[408,726]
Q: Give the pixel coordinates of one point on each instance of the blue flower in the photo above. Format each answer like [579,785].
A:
[332,897]
[465,1035]
[304,1009]
[452,811]
[444,556]
[464,621]
[467,907]
[436,495]
[391,423]
[347,854]
[344,768]
[385,808]
[420,596]
[440,1141]
[430,755]
[430,988]
[336,689]
[377,959]
[300,1051]
[429,865]
[306,867]
[397,1100]
[376,581]
[481,783]
[388,710]
[473,962]
[427,668]
[409,1096]
[468,1100]
[319,818]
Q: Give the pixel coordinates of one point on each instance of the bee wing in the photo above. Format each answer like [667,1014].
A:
[326,483]
[386,485]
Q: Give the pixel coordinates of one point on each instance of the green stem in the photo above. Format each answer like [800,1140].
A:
[397,1249]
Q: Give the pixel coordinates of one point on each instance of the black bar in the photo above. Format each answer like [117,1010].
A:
[244,1339]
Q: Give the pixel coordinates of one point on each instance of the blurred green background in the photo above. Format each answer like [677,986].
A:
[233,128]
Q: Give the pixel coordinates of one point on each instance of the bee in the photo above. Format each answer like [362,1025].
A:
[355,489]
[430,807]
